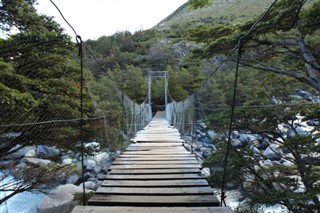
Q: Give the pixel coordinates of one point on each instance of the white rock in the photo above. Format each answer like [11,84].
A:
[37,161]
[47,151]
[97,169]
[100,157]
[88,185]
[91,164]
[188,139]
[21,152]
[266,163]
[202,125]
[72,179]
[273,152]
[212,134]
[31,153]
[93,146]
[67,161]
[59,200]
[255,150]
[236,143]
[287,163]
[257,168]
[205,172]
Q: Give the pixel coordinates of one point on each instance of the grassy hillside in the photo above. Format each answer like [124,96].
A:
[219,12]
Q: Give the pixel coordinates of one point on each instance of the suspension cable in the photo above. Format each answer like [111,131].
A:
[235,48]
[240,42]
[239,47]
[80,46]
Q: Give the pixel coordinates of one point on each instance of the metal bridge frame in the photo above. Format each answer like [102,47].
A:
[158,74]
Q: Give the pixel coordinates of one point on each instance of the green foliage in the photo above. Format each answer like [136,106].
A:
[78,197]
[38,81]
[132,82]
[309,20]
[272,43]
[176,84]
[195,4]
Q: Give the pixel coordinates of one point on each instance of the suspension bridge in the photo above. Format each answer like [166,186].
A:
[155,174]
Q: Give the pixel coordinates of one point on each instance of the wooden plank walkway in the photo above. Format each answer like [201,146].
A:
[155,174]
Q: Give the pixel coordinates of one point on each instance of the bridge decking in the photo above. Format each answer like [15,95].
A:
[155,174]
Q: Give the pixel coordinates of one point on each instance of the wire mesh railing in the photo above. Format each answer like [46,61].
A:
[44,139]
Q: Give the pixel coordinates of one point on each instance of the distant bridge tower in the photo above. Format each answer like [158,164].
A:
[158,74]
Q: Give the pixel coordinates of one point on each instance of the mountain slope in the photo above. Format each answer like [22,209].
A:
[220,11]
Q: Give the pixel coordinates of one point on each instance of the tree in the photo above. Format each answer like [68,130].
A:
[285,42]
[289,30]
[39,86]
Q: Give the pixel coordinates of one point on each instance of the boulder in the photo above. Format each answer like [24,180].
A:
[263,144]
[205,172]
[255,151]
[205,154]
[93,146]
[298,131]
[212,147]
[304,94]
[287,163]
[72,179]
[247,139]
[266,163]
[97,169]
[313,123]
[100,157]
[88,185]
[37,161]
[20,153]
[201,125]
[67,161]
[273,152]
[88,175]
[46,151]
[59,200]
[236,143]
[206,140]
[212,134]
[198,137]
[31,153]
[90,164]
[235,134]
[95,180]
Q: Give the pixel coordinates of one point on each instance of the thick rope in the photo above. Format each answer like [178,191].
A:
[231,123]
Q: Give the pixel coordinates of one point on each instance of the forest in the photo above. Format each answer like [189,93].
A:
[275,54]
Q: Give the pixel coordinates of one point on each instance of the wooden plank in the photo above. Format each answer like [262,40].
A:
[153,171]
[153,177]
[155,140]
[180,153]
[155,191]
[148,162]
[155,145]
[177,148]
[156,151]
[148,200]
[154,158]
[155,183]
[156,166]
[120,209]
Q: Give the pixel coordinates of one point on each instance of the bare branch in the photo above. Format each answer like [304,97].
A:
[307,80]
